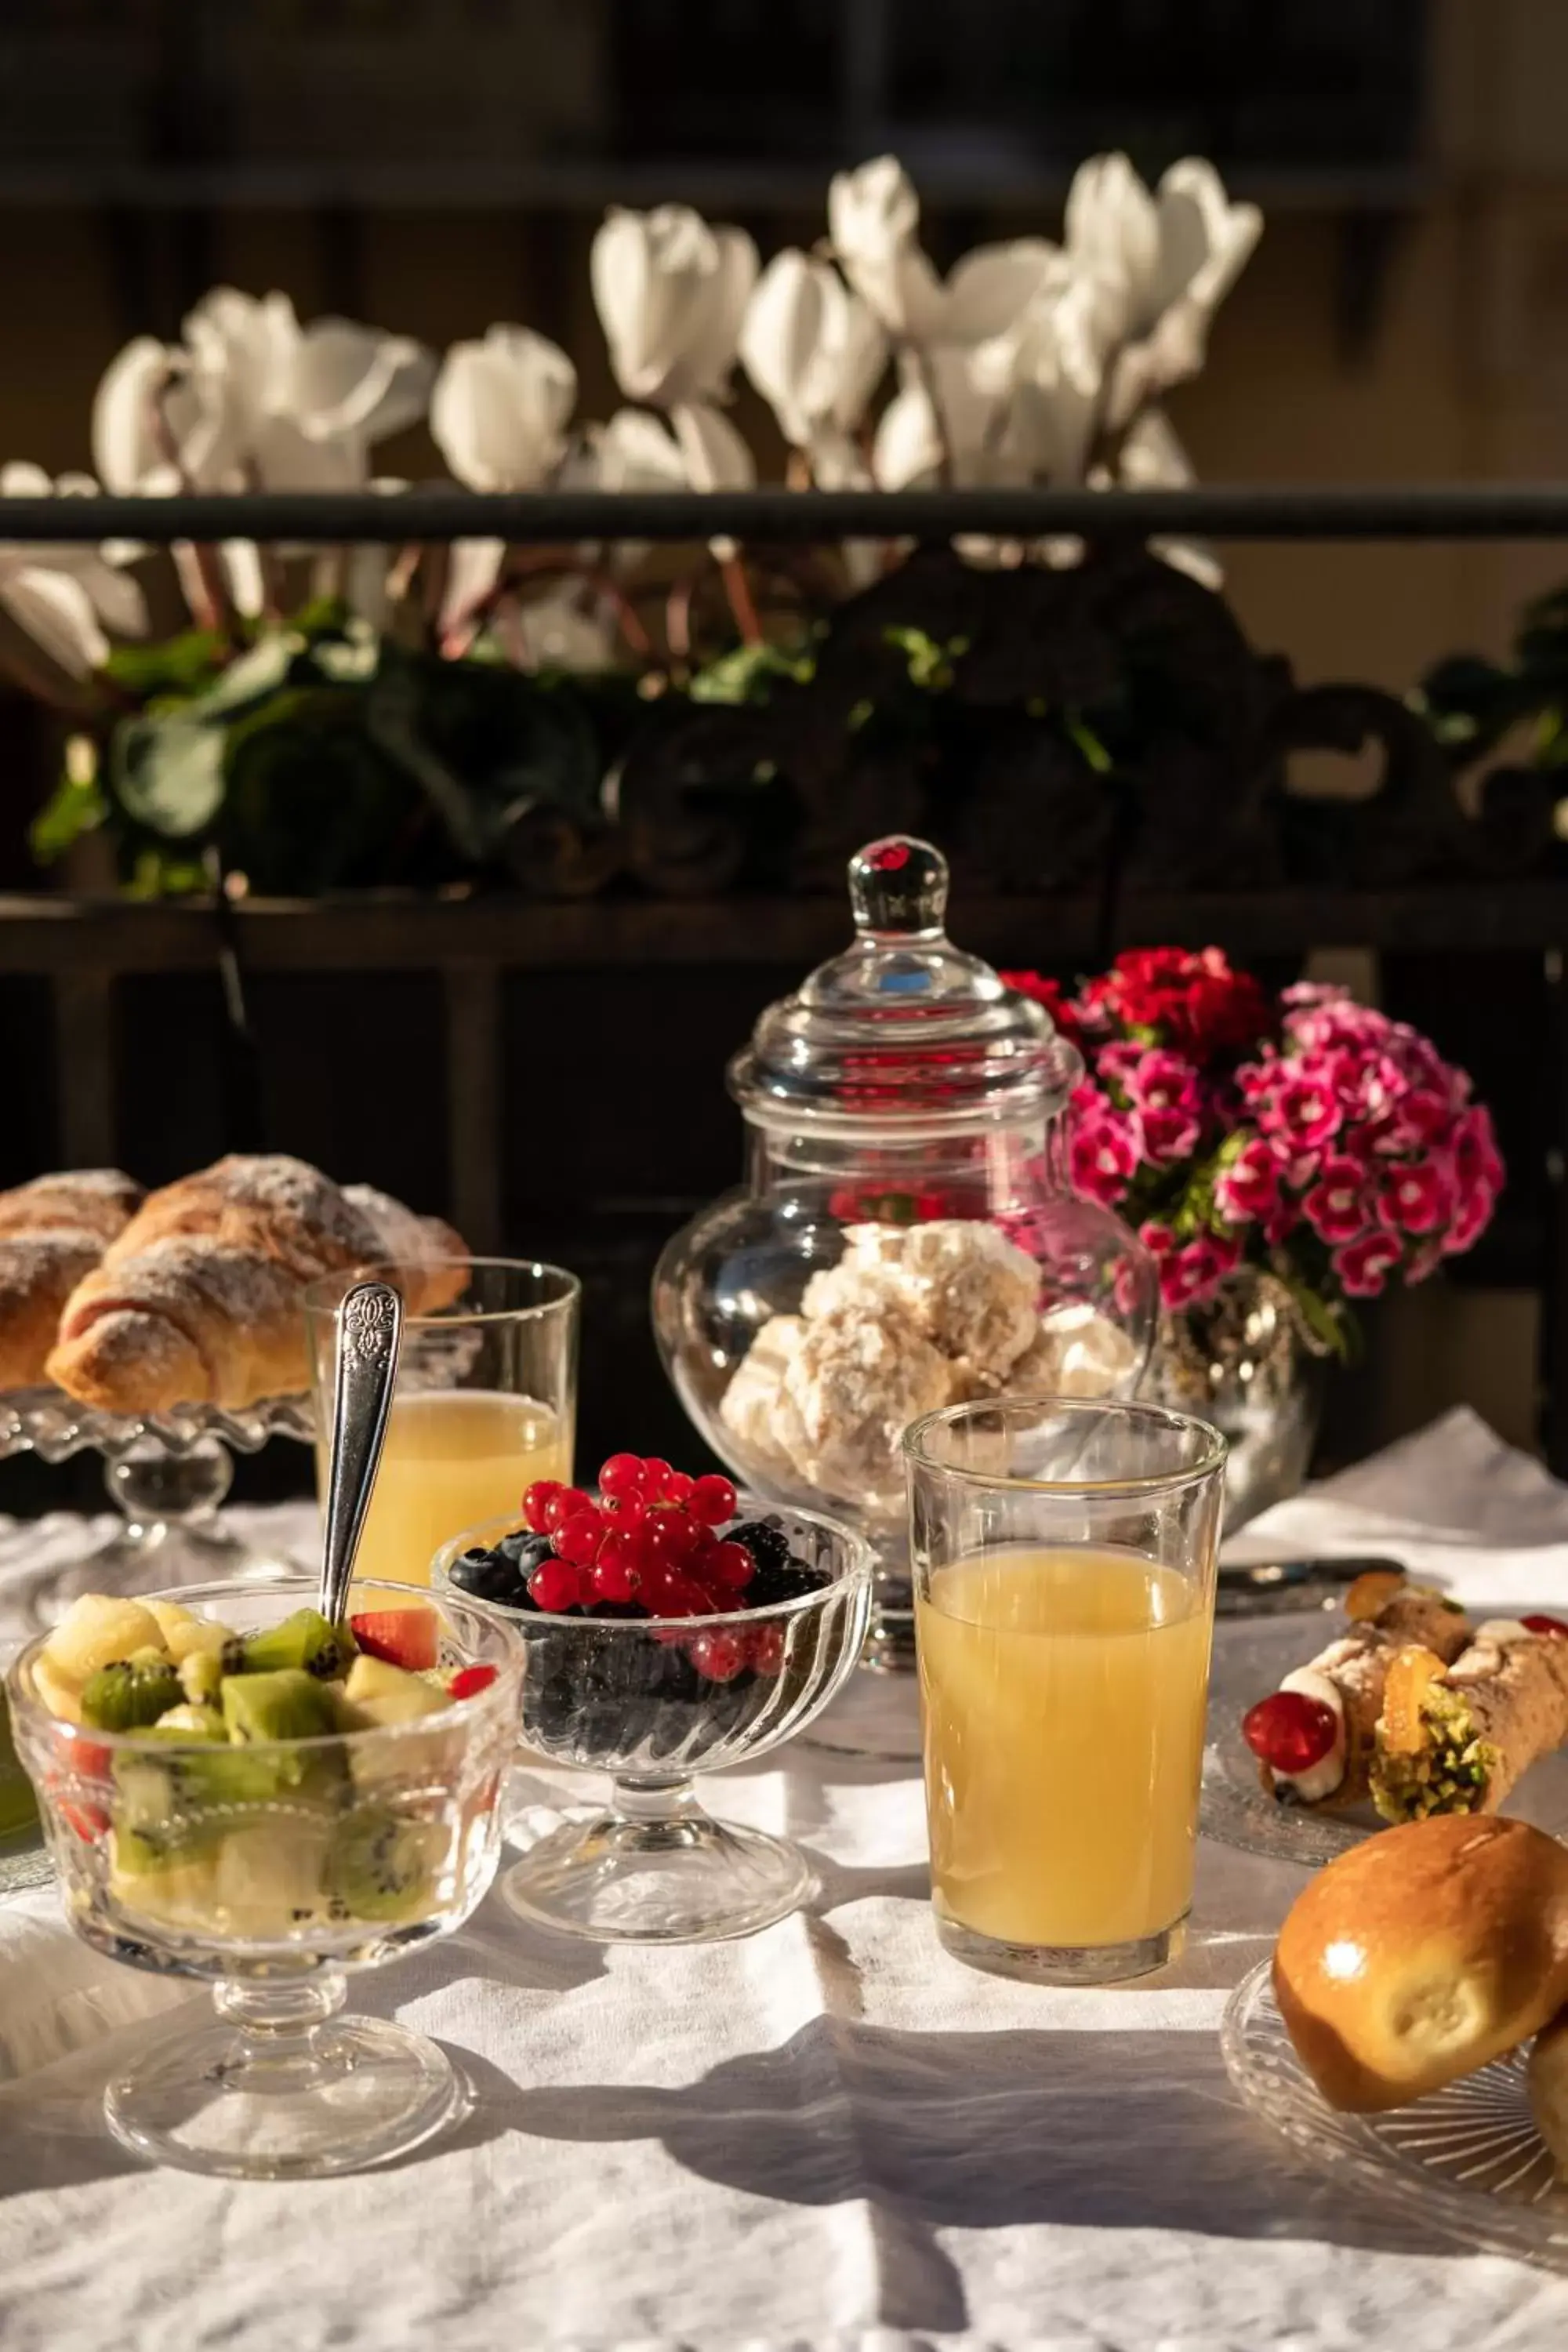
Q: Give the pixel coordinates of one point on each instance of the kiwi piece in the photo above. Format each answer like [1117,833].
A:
[191,1722]
[131,1694]
[304,1641]
[284,1702]
[381,1865]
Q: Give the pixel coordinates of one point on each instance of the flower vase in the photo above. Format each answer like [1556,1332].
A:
[1244,1359]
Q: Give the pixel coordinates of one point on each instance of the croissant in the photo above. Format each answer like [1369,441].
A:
[52,1232]
[198,1300]
[409,1240]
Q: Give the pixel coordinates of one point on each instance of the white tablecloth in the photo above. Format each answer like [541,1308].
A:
[830,2134]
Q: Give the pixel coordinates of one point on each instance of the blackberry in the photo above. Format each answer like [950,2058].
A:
[785,1582]
[768,1544]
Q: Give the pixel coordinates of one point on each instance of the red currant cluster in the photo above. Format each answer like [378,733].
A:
[650,1539]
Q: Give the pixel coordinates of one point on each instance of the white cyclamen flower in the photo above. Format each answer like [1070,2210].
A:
[671,293]
[498,414]
[873,226]
[500,408]
[1166,262]
[161,422]
[315,400]
[66,597]
[815,350]
[949,415]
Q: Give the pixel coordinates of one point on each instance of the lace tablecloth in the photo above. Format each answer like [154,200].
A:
[830,2134]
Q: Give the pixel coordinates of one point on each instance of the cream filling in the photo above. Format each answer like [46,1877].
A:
[1498,1629]
[1322,1779]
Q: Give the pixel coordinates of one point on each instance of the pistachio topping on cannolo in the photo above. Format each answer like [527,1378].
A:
[1456,1739]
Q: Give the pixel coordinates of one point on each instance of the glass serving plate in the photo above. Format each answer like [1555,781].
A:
[1251,1655]
[167,1472]
[1467,2160]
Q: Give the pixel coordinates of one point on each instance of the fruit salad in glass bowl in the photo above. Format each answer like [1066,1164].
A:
[235,1789]
[668,1629]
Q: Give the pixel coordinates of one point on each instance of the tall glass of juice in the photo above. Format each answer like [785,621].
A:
[1064,1562]
[485,1403]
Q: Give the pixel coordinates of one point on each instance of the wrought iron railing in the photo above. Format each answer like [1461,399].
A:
[1402,875]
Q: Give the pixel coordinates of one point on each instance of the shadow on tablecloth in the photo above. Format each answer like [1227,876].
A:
[972,2131]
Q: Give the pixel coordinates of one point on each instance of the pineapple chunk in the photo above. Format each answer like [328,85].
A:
[185,1635]
[96,1630]
[170,1617]
[376,1693]
[56,1691]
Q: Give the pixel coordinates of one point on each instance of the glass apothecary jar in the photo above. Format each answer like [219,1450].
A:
[905,1236]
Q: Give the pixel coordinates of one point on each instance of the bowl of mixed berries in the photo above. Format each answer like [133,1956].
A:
[671,1628]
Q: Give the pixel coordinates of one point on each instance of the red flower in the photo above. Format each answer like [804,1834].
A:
[1194,1002]
[1303,1113]
[1416,1200]
[1362,1265]
[1336,1206]
[1050,993]
[1250,1187]
[1103,1153]
[1192,1273]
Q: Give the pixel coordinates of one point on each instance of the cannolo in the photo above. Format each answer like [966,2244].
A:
[1454,1739]
[1314,1736]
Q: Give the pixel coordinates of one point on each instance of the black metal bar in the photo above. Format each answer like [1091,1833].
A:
[1441,510]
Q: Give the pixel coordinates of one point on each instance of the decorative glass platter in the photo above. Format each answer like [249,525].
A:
[1467,2160]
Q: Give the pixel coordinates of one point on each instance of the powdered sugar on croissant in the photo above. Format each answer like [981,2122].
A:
[200,1299]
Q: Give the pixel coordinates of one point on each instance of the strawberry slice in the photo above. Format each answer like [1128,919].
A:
[1544,1624]
[410,1638]
[91,1760]
[470,1681]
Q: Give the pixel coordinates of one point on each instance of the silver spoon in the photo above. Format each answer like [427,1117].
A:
[370,1331]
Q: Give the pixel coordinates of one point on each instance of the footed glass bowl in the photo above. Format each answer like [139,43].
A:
[269,1870]
[654,1702]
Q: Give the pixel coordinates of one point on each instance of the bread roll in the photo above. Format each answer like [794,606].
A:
[1547,2082]
[1422,1953]
[52,1232]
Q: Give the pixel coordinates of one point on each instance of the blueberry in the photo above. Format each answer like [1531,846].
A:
[524,1550]
[482,1573]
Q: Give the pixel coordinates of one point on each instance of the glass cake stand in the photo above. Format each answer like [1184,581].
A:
[168,1473]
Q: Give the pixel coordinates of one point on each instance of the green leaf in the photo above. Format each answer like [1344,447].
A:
[928,667]
[1090,749]
[750,673]
[156,875]
[76,806]
[1330,1322]
[168,773]
[180,665]
[392,714]
[251,677]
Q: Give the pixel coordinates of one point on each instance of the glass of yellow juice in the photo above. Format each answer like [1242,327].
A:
[486,1400]
[1064,1559]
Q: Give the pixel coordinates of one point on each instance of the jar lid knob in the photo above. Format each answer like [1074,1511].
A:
[898,887]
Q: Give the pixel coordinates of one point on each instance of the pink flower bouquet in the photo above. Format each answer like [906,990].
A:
[1308,1136]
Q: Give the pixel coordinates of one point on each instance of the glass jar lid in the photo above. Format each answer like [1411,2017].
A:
[902,1028]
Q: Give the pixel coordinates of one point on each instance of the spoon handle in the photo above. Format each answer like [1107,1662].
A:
[370,1330]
